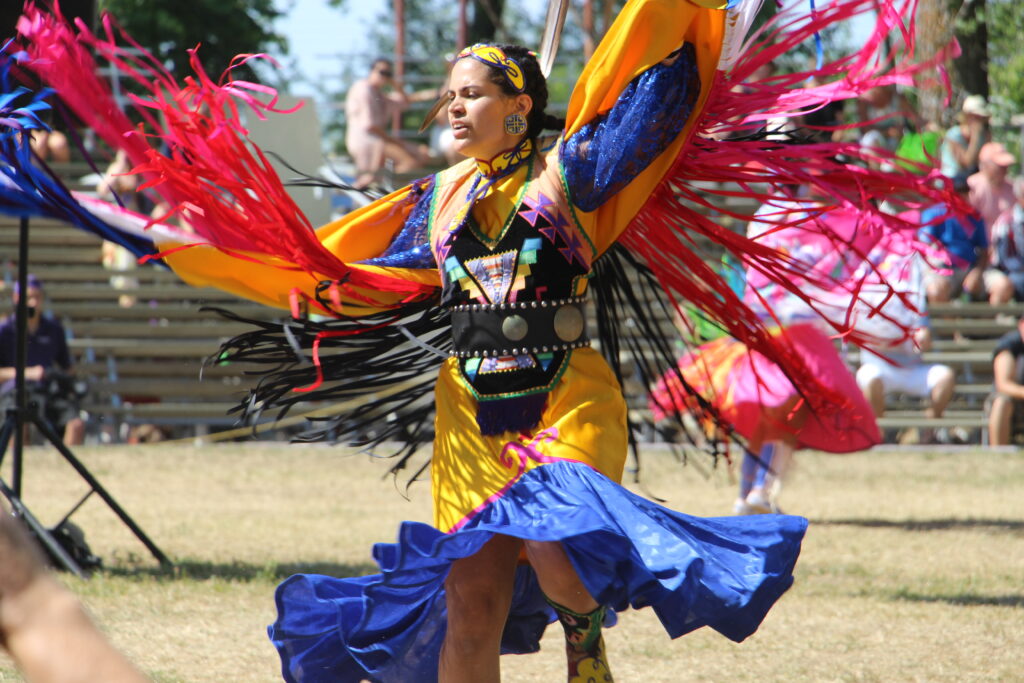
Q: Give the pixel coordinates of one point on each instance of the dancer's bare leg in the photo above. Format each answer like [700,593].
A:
[479,593]
[580,615]
[557,577]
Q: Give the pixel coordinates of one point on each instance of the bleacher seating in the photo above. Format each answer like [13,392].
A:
[144,363]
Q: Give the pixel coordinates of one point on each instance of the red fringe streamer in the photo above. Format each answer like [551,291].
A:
[764,170]
[221,184]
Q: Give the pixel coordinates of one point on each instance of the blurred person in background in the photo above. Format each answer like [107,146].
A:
[990,191]
[885,114]
[1008,244]
[49,144]
[48,368]
[964,239]
[962,142]
[43,627]
[903,370]
[1008,384]
[118,184]
[369,106]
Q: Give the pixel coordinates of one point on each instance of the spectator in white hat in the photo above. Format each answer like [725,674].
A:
[963,142]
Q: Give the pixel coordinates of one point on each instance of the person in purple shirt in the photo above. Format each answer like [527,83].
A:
[48,365]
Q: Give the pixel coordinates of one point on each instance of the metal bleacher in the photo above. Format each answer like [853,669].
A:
[141,362]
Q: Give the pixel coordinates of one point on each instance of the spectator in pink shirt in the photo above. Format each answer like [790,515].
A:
[990,191]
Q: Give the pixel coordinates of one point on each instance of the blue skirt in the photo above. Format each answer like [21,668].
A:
[722,572]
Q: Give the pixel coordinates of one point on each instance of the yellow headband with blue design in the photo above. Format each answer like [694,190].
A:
[493,55]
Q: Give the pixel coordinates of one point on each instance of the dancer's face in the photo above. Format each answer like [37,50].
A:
[477,111]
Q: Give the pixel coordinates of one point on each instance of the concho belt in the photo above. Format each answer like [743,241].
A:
[511,329]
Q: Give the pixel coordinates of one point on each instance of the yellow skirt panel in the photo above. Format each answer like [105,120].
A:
[584,420]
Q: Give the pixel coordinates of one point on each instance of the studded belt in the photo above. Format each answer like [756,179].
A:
[511,329]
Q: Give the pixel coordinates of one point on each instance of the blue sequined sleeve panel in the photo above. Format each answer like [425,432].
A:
[410,248]
[607,153]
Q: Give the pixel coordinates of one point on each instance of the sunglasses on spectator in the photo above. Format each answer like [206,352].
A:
[386,73]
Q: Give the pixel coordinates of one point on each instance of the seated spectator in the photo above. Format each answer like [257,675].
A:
[919,149]
[886,114]
[369,106]
[49,144]
[990,192]
[878,377]
[1008,244]
[1008,385]
[48,369]
[964,239]
[962,143]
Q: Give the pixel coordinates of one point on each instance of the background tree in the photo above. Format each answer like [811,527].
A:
[485,20]
[223,28]
[1005,24]
[992,63]
[971,29]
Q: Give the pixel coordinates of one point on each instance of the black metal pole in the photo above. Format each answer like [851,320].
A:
[47,429]
[23,414]
[21,357]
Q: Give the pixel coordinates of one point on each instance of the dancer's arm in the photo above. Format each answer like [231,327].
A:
[359,236]
[637,59]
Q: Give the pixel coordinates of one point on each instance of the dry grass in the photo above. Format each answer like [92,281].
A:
[911,571]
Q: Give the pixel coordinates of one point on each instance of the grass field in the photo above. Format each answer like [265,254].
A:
[912,570]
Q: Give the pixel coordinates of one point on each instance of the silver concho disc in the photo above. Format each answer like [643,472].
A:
[568,323]
[514,327]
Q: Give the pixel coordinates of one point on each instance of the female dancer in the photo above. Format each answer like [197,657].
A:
[530,422]
[531,429]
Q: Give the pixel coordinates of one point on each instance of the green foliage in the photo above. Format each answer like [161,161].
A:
[222,28]
[1005,19]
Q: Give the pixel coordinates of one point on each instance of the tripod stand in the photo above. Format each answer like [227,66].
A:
[25,413]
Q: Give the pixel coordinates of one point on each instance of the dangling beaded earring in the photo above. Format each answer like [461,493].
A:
[515,124]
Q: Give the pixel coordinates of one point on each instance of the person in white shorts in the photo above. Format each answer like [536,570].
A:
[910,375]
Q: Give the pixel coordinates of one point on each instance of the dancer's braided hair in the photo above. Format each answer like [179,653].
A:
[536,87]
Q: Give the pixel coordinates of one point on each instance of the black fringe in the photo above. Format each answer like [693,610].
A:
[640,303]
[390,379]
[373,358]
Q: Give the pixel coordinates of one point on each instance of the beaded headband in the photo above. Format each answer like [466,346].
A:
[492,55]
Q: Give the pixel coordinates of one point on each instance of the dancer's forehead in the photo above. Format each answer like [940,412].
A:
[496,58]
[471,73]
